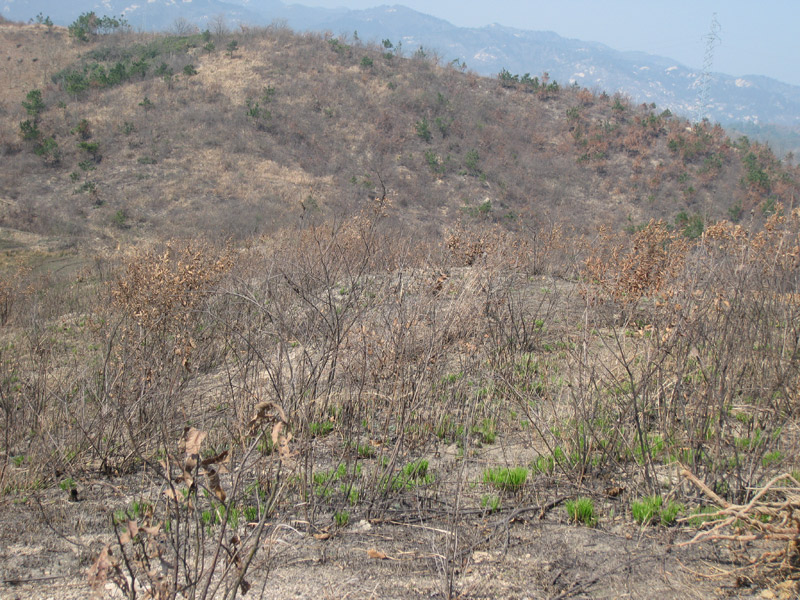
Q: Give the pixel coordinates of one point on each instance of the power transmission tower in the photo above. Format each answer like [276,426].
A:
[712,39]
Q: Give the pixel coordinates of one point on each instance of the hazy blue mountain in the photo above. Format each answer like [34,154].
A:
[644,77]
[141,14]
[486,50]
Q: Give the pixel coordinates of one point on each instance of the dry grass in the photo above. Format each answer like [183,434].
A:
[31,53]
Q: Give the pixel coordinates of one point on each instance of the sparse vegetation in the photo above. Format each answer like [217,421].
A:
[399,292]
[424,130]
[341,518]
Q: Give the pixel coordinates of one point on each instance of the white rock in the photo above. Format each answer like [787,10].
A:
[362,526]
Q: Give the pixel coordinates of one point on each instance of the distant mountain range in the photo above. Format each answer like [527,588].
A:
[750,99]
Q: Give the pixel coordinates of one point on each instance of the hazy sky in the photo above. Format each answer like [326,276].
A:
[759,37]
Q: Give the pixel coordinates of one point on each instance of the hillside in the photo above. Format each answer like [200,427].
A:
[158,135]
[738,97]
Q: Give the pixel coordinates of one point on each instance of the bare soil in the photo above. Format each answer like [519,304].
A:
[49,539]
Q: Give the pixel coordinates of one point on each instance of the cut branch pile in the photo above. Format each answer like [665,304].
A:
[773,515]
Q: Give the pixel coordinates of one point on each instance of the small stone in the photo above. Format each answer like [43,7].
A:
[479,557]
[362,526]
[767,594]
[787,590]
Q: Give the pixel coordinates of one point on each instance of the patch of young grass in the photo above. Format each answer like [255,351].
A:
[341,518]
[543,464]
[506,479]
[491,503]
[67,484]
[251,514]
[581,510]
[233,517]
[646,509]
[451,378]
[670,513]
[365,451]
[771,458]
[349,492]
[701,515]
[208,517]
[649,509]
[320,429]
[487,429]
[446,429]
[322,480]
[655,446]
[412,475]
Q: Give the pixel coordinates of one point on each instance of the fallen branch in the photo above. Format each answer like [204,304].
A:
[774,520]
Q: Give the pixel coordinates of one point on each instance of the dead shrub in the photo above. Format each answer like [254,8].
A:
[625,271]
[154,335]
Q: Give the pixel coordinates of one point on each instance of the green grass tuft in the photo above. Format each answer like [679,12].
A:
[581,510]
[506,479]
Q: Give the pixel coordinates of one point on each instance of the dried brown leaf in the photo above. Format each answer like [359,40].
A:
[192,440]
[244,586]
[188,469]
[98,572]
[268,412]
[373,553]
[173,494]
[133,529]
[152,530]
[214,484]
[281,440]
[221,457]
